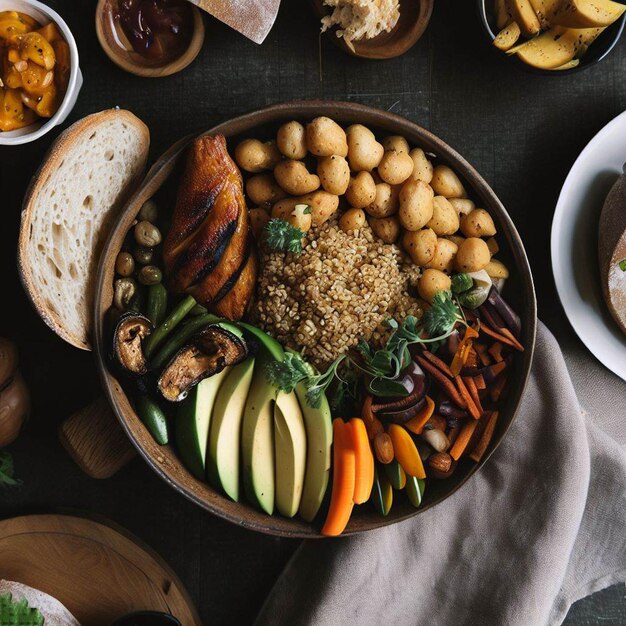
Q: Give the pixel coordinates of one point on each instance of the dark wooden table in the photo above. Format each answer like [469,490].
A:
[521,131]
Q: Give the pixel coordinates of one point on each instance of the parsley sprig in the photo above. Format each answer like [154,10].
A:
[381,367]
[280,235]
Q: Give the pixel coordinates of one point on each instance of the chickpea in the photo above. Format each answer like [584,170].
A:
[364,152]
[385,228]
[352,219]
[258,221]
[291,140]
[445,220]
[124,264]
[147,234]
[416,204]
[496,269]
[445,252]
[361,190]
[334,174]
[150,275]
[446,183]
[422,167]
[397,143]
[472,256]
[298,215]
[294,178]
[263,189]
[431,282]
[255,156]
[478,223]
[324,137]
[148,211]
[395,167]
[462,205]
[385,202]
[123,292]
[420,245]
[143,255]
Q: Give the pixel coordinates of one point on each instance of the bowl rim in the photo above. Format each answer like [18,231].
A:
[300,109]
[73,86]
[481,7]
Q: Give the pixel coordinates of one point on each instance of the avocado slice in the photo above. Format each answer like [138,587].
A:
[257,435]
[290,447]
[225,430]
[193,421]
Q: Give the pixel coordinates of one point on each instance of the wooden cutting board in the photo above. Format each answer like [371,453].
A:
[99,573]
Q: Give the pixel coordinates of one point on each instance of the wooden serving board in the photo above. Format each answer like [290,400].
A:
[99,573]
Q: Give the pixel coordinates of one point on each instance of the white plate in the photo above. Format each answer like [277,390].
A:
[574,244]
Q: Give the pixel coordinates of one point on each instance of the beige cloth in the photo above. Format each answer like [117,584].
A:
[540,526]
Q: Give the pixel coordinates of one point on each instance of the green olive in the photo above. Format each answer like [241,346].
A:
[147,234]
[143,255]
[124,264]
[150,275]
[148,211]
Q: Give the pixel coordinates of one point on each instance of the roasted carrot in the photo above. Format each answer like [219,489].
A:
[344,474]
[498,388]
[472,358]
[416,424]
[463,439]
[372,424]
[437,362]
[405,451]
[479,381]
[465,394]
[483,354]
[364,461]
[445,383]
[479,449]
[514,342]
[504,338]
[496,351]
[473,390]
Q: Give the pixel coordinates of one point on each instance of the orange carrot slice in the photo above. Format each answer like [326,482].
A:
[498,388]
[496,351]
[437,362]
[480,448]
[465,394]
[463,439]
[507,338]
[473,390]
[416,424]
[405,451]
[344,477]
[364,461]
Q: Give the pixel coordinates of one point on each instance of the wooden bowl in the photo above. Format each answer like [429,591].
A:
[414,18]
[134,63]
[264,123]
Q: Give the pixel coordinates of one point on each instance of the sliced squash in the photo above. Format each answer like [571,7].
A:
[524,14]
[587,13]
[507,37]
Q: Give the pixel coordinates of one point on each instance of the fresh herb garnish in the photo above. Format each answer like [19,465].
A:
[18,612]
[282,236]
[6,471]
[622,265]
[381,366]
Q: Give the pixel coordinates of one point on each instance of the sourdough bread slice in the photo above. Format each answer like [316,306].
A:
[54,613]
[71,204]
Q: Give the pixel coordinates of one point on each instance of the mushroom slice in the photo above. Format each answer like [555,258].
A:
[130,330]
[208,353]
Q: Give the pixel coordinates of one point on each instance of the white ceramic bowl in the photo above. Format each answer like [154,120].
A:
[45,14]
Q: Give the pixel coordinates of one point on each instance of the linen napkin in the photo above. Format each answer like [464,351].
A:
[541,525]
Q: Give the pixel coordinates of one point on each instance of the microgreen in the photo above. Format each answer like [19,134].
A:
[282,236]
[18,613]
[622,265]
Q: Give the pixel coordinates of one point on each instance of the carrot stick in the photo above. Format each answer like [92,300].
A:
[509,341]
[463,439]
[416,424]
[405,451]
[344,473]
[471,387]
[496,351]
[515,343]
[437,362]
[479,381]
[480,448]
[465,394]
[445,384]
[364,461]
[498,388]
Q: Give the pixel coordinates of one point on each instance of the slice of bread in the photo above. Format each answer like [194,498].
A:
[71,204]
[54,613]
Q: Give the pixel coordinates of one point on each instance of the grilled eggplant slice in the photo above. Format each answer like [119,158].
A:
[209,239]
[131,329]
[208,353]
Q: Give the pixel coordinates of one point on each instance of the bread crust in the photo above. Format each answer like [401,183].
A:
[65,142]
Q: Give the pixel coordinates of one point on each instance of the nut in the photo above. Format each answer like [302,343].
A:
[437,439]
[383,448]
[440,462]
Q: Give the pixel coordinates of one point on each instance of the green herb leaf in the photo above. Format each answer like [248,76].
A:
[18,613]
[281,235]
[622,265]
[286,374]
[6,471]
[442,316]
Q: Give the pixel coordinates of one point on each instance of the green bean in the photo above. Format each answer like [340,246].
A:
[180,338]
[153,417]
[198,310]
[157,304]
[167,326]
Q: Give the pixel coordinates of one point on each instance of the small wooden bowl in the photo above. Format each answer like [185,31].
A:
[264,123]
[134,63]
[414,18]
